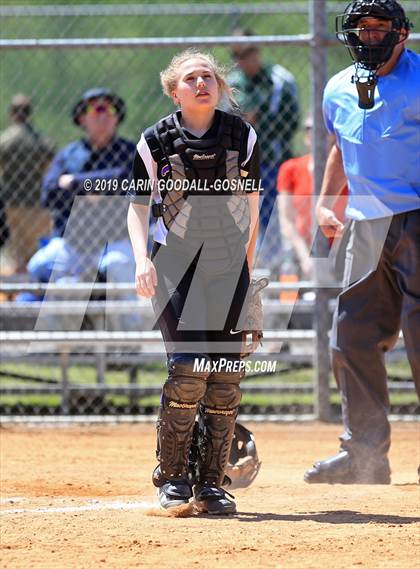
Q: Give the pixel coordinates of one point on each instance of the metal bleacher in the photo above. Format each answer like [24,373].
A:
[22,341]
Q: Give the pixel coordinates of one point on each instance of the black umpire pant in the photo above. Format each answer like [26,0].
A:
[382,295]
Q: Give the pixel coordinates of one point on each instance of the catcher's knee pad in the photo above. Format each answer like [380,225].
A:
[223,392]
[221,397]
[182,392]
[186,381]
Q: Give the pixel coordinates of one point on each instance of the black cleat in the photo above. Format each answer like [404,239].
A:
[344,469]
[174,494]
[214,501]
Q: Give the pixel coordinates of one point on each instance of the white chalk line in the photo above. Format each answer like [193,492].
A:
[11,500]
[93,507]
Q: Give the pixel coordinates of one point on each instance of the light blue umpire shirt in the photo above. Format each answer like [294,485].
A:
[380,146]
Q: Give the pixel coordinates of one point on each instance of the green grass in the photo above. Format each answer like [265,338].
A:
[154,374]
[53,401]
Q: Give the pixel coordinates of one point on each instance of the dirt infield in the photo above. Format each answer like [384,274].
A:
[80,497]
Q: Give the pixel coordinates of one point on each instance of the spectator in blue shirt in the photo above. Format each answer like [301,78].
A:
[83,190]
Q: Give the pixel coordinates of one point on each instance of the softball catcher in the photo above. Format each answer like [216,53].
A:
[198,274]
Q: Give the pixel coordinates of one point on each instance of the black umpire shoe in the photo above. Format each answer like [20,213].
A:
[215,501]
[175,493]
[344,469]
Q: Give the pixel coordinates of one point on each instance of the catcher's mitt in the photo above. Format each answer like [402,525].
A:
[253,326]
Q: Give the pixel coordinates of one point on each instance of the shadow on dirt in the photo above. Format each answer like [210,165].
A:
[329,517]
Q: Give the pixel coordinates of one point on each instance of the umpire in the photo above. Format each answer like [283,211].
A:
[373,111]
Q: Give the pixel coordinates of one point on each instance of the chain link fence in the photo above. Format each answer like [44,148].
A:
[51,55]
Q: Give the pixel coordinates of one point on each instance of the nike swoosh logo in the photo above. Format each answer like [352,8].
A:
[235,331]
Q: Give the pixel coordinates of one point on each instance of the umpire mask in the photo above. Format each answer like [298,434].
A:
[370,48]
[370,56]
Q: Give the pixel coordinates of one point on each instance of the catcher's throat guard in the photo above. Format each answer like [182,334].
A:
[366,90]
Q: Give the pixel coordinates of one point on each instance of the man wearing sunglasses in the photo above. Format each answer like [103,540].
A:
[83,191]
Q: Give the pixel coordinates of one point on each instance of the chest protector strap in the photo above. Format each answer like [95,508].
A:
[218,218]
[200,161]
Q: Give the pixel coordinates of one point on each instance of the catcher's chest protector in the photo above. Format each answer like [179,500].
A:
[201,214]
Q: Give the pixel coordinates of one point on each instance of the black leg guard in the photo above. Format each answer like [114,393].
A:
[218,413]
[181,394]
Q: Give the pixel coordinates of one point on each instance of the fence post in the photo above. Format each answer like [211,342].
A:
[65,385]
[317,12]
